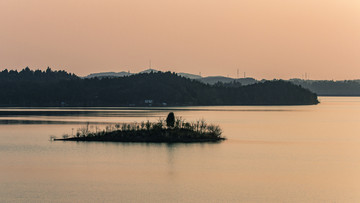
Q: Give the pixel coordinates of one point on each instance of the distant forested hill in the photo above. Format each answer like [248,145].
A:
[331,88]
[59,88]
[320,87]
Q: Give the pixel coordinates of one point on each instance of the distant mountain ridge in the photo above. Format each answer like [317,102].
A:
[190,76]
[320,87]
[124,73]
[211,80]
[329,87]
[108,74]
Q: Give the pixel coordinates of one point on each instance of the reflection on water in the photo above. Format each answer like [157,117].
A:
[122,111]
[109,115]
[38,122]
[273,154]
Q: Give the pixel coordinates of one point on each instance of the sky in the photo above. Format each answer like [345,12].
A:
[265,38]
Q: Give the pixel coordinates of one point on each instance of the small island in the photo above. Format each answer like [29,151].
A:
[172,130]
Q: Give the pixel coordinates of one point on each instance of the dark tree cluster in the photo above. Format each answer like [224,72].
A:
[29,75]
[59,88]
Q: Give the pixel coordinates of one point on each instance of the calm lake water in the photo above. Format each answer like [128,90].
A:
[273,154]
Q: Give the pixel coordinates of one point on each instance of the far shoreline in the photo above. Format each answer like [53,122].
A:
[164,107]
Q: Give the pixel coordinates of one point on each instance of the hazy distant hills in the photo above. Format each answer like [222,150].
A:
[149,71]
[329,87]
[190,76]
[108,74]
[123,73]
[117,74]
[320,87]
[207,80]
[216,79]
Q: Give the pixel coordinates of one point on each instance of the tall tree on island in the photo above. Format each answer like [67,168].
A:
[170,120]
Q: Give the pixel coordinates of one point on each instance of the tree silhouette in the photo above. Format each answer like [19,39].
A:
[170,120]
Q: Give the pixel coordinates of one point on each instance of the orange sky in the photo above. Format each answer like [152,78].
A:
[266,38]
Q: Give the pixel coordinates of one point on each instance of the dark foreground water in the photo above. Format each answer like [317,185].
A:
[273,154]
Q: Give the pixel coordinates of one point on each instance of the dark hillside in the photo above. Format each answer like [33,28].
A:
[58,88]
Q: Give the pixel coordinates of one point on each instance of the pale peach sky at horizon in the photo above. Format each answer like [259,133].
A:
[264,38]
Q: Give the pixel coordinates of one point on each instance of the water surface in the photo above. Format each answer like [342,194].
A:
[273,153]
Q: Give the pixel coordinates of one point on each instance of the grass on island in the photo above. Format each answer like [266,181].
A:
[170,130]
